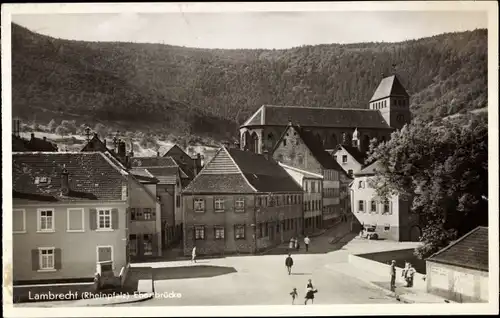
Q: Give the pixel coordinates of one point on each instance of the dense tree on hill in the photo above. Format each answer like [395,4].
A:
[442,167]
[202,91]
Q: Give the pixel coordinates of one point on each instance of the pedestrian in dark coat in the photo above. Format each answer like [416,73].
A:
[392,272]
[289,264]
[310,291]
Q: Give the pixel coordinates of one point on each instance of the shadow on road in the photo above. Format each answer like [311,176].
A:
[191,272]
[301,273]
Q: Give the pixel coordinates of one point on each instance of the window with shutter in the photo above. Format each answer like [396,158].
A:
[35,259]
[104,219]
[46,258]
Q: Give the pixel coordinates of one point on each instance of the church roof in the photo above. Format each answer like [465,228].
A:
[317,117]
[389,86]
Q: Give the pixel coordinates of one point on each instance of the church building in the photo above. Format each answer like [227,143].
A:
[388,110]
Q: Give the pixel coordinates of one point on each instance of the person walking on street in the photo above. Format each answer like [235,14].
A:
[392,271]
[306,242]
[193,255]
[294,294]
[310,291]
[410,273]
[289,263]
[404,272]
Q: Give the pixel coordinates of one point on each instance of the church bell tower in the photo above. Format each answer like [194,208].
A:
[392,101]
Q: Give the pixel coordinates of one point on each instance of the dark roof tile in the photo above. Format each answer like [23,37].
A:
[470,251]
[218,183]
[321,117]
[389,86]
[92,176]
[152,162]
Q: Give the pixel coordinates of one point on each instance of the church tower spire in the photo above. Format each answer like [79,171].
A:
[392,101]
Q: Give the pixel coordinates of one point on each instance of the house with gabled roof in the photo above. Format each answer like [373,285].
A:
[119,152]
[387,110]
[460,271]
[190,166]
[299,148]
[168,188]
[70,211]
[390,218]
[351,157]
[240,202]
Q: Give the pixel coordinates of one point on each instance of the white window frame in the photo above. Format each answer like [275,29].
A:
[344,157]
[40,259]
[221,202]
[371,206]
[244,232]
[24,220]
[150,213]
[112,254]
[202,210]
[203,231]
[68,218]
[223,232]
[240,200]
[104,229]
[39,223]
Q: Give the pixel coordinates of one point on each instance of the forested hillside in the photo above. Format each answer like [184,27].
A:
[203,91]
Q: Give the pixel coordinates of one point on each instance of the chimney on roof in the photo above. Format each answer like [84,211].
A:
[64,181]
[44,138]
[121,149]
[157,153]
[32,136]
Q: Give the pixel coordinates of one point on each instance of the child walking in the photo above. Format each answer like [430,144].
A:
[294,294]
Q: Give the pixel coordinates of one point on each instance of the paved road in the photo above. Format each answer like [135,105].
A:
[262,280]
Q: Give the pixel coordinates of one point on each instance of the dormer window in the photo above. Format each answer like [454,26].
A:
[361,185]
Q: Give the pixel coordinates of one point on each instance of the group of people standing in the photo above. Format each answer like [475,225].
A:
[408,273]
[295,245]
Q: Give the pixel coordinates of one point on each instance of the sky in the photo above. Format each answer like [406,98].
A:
[267,30]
